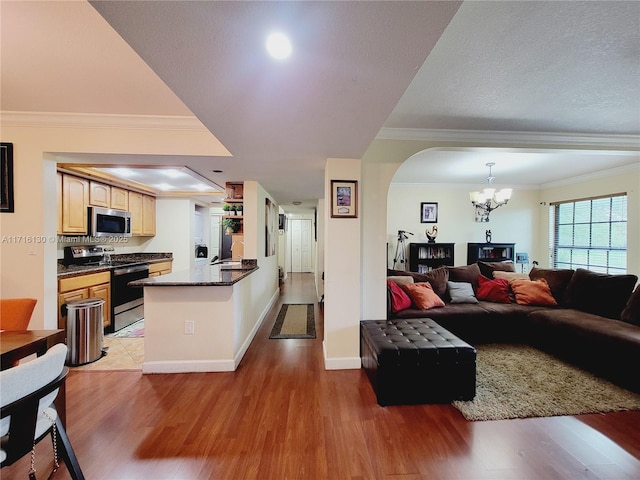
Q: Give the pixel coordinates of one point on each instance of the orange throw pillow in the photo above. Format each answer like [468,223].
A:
[422,295]
[532,292]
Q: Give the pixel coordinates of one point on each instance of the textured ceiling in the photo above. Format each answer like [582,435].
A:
[351,63]
[555,67]
[531,66]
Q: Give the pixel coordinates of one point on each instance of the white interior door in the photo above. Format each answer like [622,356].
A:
[214,248]
[301,245]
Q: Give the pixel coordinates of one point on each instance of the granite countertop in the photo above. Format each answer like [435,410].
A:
[65,271]
[201,276]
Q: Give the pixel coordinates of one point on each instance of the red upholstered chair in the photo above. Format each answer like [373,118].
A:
[15,313]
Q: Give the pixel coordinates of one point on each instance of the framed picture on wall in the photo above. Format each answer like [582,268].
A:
[344,198]
[428,212]
[6,177]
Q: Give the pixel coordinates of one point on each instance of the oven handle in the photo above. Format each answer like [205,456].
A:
[132,269]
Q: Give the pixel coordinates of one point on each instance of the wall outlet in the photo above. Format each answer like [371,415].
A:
[188,327]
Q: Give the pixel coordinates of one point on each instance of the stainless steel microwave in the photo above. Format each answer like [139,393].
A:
[109,222]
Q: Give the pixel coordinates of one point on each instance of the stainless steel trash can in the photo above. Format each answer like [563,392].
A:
[85,335]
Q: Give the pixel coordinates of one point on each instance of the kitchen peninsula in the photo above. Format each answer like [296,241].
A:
[198,320]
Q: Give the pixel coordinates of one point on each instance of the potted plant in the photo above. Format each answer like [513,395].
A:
[227,209]
[238,209]
[231,225]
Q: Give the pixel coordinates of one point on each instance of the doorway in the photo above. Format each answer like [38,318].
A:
[301,230]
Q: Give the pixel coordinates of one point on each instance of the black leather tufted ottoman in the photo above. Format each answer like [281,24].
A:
[416,361]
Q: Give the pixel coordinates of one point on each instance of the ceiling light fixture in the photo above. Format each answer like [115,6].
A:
[279,46]
[488,200]
[173,173]
[124,172]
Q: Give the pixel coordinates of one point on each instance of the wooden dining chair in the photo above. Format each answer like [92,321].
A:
[27,412]
[15,313]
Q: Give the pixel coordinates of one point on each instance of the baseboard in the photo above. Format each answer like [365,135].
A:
[188,366]
[340,363]
[245,346]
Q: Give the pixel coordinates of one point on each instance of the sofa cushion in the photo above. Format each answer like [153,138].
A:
[467,273]
[422,295]
[631,313]
[558,280]
[599,293]
[399,299]
[532,292]
[461,292]
[487,268]
[496,290]
[508,276]
[401,279]
[437,277]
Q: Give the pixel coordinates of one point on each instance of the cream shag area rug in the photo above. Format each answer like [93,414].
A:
[518,381]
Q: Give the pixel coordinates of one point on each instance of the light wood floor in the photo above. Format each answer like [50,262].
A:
[282,416]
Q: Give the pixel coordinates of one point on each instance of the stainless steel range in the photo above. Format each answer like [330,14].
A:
[127,303]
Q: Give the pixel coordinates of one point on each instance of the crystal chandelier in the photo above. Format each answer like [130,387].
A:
[489,199]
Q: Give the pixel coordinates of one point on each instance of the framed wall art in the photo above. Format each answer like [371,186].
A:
[6,177]
[428,212]
[344,198]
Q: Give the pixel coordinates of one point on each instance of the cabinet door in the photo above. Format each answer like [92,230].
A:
[148,215]
[75,198]
[59,201]
[99,194]
[103,291]
[135,208]
[119,198]
[67,297]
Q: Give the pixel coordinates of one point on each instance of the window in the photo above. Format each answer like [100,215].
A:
[590,233]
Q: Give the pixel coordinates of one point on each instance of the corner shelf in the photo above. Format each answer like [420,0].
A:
[235,196]
[424,257]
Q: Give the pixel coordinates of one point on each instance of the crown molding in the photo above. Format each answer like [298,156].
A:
[520,138]
[624,170]
[92,120]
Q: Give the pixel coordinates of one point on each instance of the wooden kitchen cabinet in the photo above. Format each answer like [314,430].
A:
[143,214]
[93,285]
[75,199]
[148,215]
[103,291]
[119,198]
[59,201]
[99,195]
[160,268]
[75,194]
[135,208]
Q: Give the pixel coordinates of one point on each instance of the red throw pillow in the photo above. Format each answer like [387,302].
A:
[399,300]
[533,292]
[496,291]
[422,295]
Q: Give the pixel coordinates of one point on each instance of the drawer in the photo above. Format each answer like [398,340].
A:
[83,281]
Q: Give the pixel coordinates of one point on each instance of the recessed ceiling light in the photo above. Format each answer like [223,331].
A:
[279,46]
[216,171]
[296,203]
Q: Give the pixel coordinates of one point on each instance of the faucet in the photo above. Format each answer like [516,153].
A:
[233,245]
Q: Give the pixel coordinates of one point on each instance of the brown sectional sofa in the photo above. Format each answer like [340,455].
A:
[595,324]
